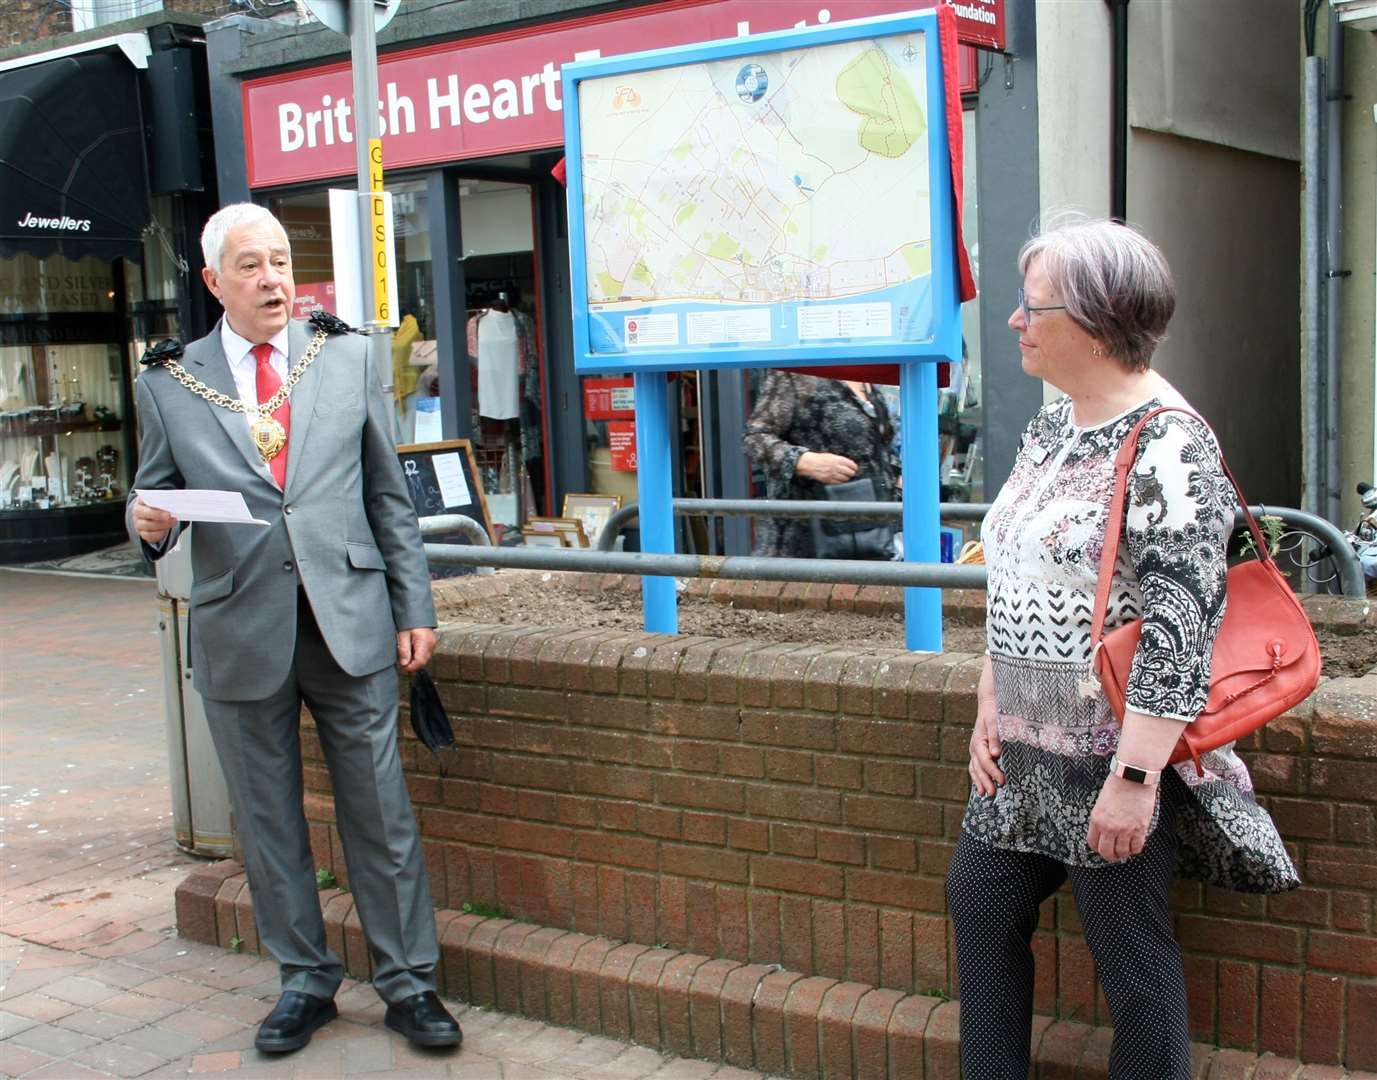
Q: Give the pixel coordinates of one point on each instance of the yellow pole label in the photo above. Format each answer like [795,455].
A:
[378,223]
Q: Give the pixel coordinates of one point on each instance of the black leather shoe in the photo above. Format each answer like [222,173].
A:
[294,1018]
[424,1020]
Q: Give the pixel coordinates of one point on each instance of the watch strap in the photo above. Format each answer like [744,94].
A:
[1133,773]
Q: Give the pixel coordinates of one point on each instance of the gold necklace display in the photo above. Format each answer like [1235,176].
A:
[268,435]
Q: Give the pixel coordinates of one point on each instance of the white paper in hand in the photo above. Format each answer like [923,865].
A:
[200,504]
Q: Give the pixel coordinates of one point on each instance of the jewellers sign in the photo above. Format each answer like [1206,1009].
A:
[57,224]
[501,93]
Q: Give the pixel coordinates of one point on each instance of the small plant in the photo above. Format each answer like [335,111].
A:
[325,879]
[1272,528]
[237,943]
[935,991]
[486,911]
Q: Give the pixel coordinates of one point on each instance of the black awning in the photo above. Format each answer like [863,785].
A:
[73,177]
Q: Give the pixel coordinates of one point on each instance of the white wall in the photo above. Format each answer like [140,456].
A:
[1229,225]
[1074,86]
[1217,71]
[1358,378]
[1213,178]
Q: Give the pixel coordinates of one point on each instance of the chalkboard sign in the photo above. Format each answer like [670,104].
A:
[443,479]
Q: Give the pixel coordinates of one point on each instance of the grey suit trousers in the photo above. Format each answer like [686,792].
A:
[260,750]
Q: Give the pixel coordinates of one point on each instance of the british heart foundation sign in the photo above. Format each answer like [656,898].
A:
[500,93]
[980,22]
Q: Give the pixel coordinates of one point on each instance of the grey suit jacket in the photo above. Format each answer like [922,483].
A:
[344,528]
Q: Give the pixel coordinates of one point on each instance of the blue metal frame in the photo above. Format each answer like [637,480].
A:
[918,385]
[945,342]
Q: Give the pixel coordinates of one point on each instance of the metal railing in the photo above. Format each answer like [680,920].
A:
[1311,542]
[1315,546]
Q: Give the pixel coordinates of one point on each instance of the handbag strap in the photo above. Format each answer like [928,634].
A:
[1128,454]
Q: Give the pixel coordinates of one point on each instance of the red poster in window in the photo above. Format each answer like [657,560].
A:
[621,439]
[609,399]
[319,294]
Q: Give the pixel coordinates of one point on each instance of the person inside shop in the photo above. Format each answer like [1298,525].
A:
[817,438]
[321,605]
[1059,788]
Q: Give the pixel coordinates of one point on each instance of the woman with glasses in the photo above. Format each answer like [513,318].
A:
[1060,790]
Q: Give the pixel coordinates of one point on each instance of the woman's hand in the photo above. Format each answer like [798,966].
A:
[985,745]
[825,468]
[1119,822]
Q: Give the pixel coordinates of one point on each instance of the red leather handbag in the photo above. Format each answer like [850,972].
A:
[1266,658]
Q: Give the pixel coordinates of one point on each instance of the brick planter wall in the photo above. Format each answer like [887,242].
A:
[791,805]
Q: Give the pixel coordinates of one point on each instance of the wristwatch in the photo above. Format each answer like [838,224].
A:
[1132,773]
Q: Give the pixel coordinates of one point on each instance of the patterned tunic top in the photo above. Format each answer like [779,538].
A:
[797,414]
[1043,538]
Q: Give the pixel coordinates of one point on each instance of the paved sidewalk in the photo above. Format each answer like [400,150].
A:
[93,979]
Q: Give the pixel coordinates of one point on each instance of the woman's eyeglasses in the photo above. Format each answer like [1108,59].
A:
[1028,311]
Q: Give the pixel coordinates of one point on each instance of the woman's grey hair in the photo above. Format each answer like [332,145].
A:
[226,220]
[1114,281]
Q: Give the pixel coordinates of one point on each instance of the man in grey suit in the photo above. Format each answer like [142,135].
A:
[321,605]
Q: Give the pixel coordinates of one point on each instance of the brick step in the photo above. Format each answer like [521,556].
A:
[752,1016]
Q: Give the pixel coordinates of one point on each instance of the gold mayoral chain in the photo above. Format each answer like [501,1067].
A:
[268,435]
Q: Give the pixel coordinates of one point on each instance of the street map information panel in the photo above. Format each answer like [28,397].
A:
[772,200]
[779,200]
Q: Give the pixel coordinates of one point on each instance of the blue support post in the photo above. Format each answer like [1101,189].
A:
[922,495]
[655,484]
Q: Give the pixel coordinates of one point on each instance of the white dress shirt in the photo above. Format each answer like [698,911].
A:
[239,353]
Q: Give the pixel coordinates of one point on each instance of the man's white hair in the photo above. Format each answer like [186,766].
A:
[226,220]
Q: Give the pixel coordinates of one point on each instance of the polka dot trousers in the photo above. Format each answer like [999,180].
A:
[993,895]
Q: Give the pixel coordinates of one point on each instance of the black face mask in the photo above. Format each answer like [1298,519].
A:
[428,718]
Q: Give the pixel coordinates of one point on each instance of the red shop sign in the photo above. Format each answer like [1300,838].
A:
[609,399]
[621,440]
[979,22]
[500,93]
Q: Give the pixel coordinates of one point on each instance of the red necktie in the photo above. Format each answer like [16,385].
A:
[268,385]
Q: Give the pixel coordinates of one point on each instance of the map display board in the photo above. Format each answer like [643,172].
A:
[773,200]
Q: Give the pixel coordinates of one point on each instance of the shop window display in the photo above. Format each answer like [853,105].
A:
[62,397]
[504,347]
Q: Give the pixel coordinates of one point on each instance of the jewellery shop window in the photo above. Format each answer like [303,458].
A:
[504,342]
[62,385]
[414,376]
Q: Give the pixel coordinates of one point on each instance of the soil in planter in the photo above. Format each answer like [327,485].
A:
[540,603]
[531,601]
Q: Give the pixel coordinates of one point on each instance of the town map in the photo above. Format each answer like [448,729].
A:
[774,200]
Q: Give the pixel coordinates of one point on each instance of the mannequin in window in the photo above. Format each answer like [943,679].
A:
[501,339]
[499,364]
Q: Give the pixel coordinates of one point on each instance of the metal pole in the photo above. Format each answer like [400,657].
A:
[1118,136]
[922,490]
[363,51]
[1332,507]
[661,567]
[654,481]
[1313,303]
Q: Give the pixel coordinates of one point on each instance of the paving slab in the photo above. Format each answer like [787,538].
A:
[94,981]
